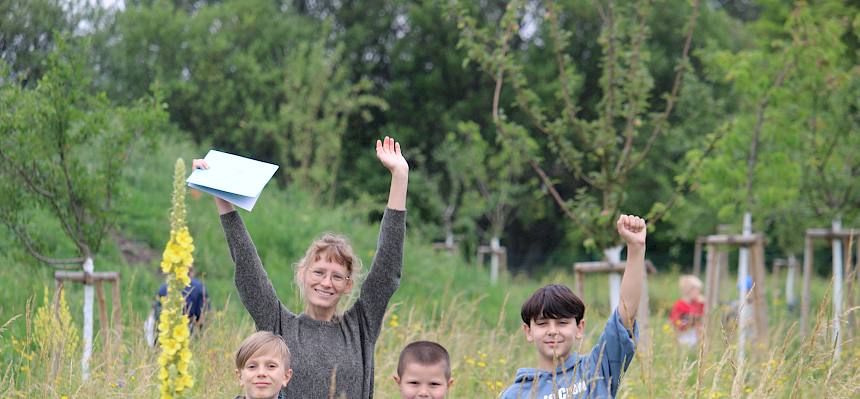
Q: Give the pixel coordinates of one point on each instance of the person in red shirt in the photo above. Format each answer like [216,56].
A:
[687,313]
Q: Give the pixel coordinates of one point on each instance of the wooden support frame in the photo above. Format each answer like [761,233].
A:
[849,237]
[700,242]
[444,246]
[502,255]
[717,263]
[697,257]
[791,266]
[111,329]
[485,250]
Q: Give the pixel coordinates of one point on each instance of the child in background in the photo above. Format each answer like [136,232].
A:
[263,366]
[687,313]
[554,321]
[424,371]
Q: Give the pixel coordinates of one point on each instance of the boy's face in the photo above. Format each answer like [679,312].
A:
[421,381]
[554,338]
[264,375]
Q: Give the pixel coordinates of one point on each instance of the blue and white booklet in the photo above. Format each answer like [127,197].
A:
[235,179]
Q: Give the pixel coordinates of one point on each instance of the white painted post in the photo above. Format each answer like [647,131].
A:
[495,247]
[789,282]
[837,288]
[88,323]
[744,311]
[613,255]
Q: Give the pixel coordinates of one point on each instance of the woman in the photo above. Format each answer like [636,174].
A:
[329,349]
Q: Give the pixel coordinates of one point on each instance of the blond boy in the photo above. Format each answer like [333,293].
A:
[263,366]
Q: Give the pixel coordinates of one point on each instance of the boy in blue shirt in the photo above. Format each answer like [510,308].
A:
[553,320]
[196,301]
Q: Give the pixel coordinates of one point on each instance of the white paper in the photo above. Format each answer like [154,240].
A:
[235,179]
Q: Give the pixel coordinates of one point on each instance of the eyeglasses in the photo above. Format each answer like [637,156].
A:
[337,279]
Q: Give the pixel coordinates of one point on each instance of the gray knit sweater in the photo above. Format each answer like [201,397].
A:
[342,347]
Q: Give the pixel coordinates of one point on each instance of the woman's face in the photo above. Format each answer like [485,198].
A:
[325,282]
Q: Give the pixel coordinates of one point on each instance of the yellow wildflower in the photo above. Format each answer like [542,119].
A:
[170,346]
[180,332]
[185,355]
[186,381]
[175,358]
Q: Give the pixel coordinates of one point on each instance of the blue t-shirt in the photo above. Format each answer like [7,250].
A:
[196,298]
[596,375]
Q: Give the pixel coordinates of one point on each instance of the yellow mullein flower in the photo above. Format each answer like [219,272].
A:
[175,358]
[186,381]
[170,346]
[185,355]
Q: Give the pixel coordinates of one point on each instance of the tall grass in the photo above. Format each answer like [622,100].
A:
[484,358]
[441,298]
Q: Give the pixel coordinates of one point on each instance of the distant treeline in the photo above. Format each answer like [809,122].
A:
[689,112]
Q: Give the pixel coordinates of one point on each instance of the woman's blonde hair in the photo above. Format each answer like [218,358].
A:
[330,247]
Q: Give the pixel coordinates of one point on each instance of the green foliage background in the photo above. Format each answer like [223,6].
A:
[310,84]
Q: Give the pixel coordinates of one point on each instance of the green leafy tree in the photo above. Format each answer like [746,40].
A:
[828,107]
[63,152]
[28,32]
[408,51]
[484,183]
[246,75]
[497,181]
[458,160]
[788,149]
[598,148]
[318,101]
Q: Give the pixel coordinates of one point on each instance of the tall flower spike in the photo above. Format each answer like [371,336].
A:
[175,358]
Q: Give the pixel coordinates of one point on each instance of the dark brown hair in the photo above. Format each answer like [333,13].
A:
[425,353]
[553,301]
[262,340]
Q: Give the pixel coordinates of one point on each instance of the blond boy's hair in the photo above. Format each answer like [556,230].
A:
[688,282]
[262,341]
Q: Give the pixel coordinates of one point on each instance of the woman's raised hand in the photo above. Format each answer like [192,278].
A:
[199,164]
[388,152]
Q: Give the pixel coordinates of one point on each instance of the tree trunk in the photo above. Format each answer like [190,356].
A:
[789,282]
[495,248]
[88,323]
[745,312]
[837,289]
[804,293]
[613,255]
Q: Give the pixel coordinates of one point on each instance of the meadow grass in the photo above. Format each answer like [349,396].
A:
[442,297]
[485,357]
